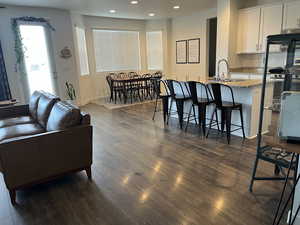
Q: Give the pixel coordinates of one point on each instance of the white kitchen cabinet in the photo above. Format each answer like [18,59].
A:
[248,30]
[291,18]
[255,24]
[270,24]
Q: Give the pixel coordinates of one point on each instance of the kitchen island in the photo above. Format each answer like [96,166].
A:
[248,93]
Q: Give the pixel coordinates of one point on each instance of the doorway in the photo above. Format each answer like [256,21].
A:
[212,46]
[38,59]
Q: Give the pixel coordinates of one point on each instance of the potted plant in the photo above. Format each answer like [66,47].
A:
[70,93]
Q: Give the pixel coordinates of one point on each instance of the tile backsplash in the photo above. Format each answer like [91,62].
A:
[258,60]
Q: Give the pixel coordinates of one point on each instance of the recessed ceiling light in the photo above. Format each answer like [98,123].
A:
[112,11]
[151,14]
[176,7]
[134,2]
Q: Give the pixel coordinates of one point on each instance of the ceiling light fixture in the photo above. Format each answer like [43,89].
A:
[176,7]
[112,11]
[134,2]
[151,14]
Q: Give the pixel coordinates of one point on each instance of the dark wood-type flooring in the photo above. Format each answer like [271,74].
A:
[145,173]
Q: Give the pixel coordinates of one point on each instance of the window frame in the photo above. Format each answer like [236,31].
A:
[85,53]
[162,50]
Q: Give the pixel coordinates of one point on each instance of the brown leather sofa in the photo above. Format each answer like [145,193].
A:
[43,140]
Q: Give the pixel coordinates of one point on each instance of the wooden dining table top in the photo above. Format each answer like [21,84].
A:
[137,78]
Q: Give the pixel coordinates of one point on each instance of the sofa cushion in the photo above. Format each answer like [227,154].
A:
[63,115]
[15,121]
[20,130]
[45,105]
[33,104]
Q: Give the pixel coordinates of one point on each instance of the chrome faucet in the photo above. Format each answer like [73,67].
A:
[227,67]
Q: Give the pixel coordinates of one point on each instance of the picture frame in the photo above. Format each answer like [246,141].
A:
[193,46]
[181,52]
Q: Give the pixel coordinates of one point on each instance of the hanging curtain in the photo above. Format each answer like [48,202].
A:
[4,86]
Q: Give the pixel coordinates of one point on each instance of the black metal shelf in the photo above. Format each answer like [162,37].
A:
[264,152]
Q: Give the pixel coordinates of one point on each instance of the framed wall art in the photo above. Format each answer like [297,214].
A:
[193,51]
[181,52]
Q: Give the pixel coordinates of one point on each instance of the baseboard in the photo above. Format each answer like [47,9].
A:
[255,136]
[90,100]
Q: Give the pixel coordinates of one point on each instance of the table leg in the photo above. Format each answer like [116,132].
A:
[124,92]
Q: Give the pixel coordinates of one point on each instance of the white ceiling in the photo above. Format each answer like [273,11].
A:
[162,8]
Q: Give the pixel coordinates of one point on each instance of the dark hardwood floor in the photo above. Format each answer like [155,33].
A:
[145,173]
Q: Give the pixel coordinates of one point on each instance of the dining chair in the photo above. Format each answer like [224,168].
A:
[145,86]
[226,108]
[132,74]
[110,86]
[134,88]
[122,75]
[116,87]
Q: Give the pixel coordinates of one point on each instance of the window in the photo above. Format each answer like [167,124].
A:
[155,50]
[38,58]
[82,51]
[116,50]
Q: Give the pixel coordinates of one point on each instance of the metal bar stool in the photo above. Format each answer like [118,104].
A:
[162,91]
[201,98]
[226,108]
[180,93]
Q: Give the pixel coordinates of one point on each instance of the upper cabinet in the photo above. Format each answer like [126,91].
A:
[291,18]
[271,23]
[255,24]
[248,30]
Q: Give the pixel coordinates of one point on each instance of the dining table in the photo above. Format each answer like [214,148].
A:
[127,84]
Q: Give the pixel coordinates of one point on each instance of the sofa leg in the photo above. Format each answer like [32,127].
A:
[12,194]
[89,172]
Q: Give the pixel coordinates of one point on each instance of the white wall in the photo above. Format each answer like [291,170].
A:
[61,21]
[163,25]
[227,32]
[189,27]
[223,32]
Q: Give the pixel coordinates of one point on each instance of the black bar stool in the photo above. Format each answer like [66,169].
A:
[162,92]
[180,94]
[201,98]
[226,108]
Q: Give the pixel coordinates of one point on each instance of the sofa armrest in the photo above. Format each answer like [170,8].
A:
[32,159]
[85,118]
[14,111]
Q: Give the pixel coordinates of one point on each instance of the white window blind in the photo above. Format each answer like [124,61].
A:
[116,50]
[82,51]
[154,50]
